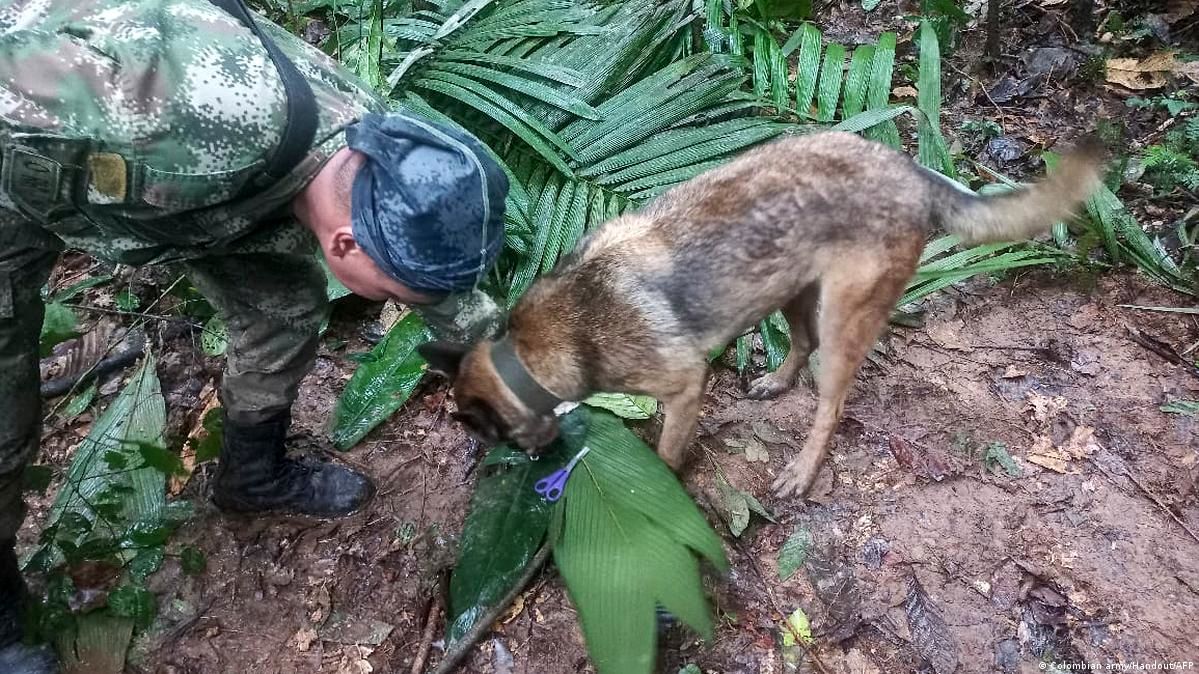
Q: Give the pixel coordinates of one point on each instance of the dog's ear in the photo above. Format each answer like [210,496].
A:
[443,357]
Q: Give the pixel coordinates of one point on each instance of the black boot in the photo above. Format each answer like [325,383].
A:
[255,476]
[16,657]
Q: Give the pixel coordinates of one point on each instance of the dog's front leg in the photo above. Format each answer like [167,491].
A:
[682,414]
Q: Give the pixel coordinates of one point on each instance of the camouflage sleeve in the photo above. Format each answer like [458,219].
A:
[462,318]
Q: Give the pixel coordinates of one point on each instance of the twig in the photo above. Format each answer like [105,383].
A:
[1162,349]
[426,641]
[138,314]
[1153,497]
[464,645]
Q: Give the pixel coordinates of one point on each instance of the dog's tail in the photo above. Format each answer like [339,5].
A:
[1024,212]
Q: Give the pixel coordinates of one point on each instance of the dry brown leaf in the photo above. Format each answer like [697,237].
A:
[304,638]
[518,605]
[1052,463]
[1190,70]
[1081,443]
[208,401]
[904,92]
[1151,72]
[1013,372]
[1045,408]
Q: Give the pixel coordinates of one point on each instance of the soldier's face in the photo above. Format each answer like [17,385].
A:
[359,273]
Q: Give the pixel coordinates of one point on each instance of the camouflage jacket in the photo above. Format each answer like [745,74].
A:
[164,109]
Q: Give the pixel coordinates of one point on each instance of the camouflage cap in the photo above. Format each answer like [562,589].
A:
[428,204]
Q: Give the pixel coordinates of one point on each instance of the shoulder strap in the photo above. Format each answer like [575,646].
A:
[300,127]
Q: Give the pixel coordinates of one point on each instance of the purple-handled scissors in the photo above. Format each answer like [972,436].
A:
[552,486]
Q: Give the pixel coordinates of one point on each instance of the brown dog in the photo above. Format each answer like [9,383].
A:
[829,218]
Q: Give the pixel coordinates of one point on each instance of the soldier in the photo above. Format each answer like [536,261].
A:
[151,131]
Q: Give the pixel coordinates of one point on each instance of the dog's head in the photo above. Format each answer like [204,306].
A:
[487,407]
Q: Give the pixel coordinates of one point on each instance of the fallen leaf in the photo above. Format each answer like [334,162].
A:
[769,434]
[304,638]
[1190,70]
[1151,72]
[740,505]
[1013,372]
[518,605]
[756,451]
[930,635]
[904,92]
[1044,408]
[1052,463]
[1081,443]
[798,629]
[794,553]
[209,401]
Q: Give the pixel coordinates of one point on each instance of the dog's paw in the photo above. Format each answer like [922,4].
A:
[796,478]
[768,386]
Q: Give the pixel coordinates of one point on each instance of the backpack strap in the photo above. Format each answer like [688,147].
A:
[300,126]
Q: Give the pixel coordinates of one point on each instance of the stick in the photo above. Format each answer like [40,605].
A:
[1152,497]
[422,653]
[453,657]
[1162,349]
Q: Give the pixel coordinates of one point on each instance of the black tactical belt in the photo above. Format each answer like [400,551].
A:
[300,127]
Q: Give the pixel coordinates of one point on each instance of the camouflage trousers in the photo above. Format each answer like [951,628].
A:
[272,303]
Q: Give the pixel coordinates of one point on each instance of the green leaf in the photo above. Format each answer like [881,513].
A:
[740,505]
[807,69]
[133,601]
[624,405]
[145,563]
[775,341]
[1189,408]
[933,152]
[136,417]
[528,87]
[879,90]
[209,447]
[80,402]
[161,459]
[857,81]
[36,478]
[505,527]
[503,110]
[830,82]
[381,385]
[192,560]
[214,338]
[127,301]
[743,348]
[869,5]
[794,553]
[57,327]
[70,292]
[798,629]
[997,454]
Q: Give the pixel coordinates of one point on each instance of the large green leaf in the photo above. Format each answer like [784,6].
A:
[381,384]
[933,151]
[505,527]
[629,543]
[58,326]
[108,484]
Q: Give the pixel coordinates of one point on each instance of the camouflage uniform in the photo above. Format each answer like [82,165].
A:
[158,112]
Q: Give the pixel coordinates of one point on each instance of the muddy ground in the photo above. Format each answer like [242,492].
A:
[1081,548]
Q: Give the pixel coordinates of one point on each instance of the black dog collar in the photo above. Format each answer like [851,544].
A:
[516,376]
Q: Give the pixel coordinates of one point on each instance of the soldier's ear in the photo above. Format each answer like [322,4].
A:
[443,357]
